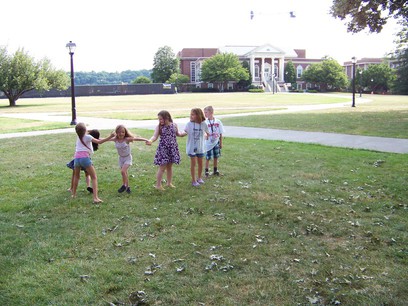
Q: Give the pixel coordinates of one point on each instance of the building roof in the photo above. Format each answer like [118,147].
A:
[197,52]
[243,51]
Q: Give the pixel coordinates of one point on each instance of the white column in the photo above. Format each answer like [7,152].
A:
[281,68]
[273,67]
[252,67]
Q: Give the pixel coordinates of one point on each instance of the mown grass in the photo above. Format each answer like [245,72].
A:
[13,125]
[383,116]
[286,224]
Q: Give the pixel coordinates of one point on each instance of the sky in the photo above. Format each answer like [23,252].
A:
[123,35]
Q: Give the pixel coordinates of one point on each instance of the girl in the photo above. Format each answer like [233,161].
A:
[122,139]
[95,133]
[82,158]
[167,152]
[196,130]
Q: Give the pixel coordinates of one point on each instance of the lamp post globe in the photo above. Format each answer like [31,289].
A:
[71,49]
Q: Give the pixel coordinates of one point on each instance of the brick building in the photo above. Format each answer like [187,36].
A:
[266,62]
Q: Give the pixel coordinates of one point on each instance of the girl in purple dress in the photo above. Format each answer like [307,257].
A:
[167,152]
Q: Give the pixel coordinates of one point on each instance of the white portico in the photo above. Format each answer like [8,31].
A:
[265,61]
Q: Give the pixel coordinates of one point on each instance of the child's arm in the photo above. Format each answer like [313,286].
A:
[180,133]
[154,137]
[131,139]
[101,141]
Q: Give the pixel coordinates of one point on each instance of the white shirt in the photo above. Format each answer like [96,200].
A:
[195,137]
[216,129]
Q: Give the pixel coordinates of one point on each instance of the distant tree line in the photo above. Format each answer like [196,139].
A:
[110,78]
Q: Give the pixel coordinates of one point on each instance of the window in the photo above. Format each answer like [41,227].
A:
[256,71]
[299,71]
[210,85]
[193,72]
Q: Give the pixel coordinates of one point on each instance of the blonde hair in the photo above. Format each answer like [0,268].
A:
[209,109]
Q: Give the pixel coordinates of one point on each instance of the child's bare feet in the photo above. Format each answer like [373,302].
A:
[97,201]
[159,187]
[171,186]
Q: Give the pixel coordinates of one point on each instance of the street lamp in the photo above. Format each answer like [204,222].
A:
[361,77]
[71,48]
[353,60]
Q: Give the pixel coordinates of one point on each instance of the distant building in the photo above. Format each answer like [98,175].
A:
[266,62]
[362,64]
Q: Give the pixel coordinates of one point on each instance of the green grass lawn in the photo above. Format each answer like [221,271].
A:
[385,116]
[286,224]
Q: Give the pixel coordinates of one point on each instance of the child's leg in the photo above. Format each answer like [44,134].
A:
[169,170]
[75,179]
[92,173]
[159,176]
[200,167]
[125,176]
[87,179]
[193,161]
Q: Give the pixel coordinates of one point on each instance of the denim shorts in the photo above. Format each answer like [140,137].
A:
[199,155]
[83,162]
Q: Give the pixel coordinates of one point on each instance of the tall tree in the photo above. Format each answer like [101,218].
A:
[245,83]
[223,67]
[371,14]
[290,73]
[378,78]
[329,74]
[20,73]
[165,64]
[400,56]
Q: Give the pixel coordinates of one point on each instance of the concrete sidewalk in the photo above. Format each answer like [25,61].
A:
[381,144]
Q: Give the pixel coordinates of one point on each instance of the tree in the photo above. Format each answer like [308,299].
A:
[290,73]
[329,74]
[245,83]
[361,14]
[178,79]
[19,73]
[400,56]
[223,67]
[142,80]
[165,64]
[378,78]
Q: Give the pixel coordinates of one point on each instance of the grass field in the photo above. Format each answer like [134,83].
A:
[285,224]
[385,116]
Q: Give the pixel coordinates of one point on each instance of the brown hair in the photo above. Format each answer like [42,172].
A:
[80,129]
[95,134]
[121,126]
[166,117]
[199,113]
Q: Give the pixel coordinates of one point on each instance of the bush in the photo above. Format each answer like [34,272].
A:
[256,90]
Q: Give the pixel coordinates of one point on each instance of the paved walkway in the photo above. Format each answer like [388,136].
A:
[381,144]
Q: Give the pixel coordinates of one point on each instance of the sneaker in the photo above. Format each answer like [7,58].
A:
[128,190]
[195,184]
[207,174]
[90,189]
[216,173]
[200,181]
[122,189]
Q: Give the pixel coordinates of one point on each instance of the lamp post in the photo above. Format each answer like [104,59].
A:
[71,48]
[353,60]
[361,77]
